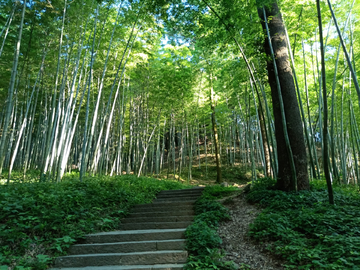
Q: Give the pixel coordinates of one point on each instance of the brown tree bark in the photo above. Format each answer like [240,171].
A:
[291,108]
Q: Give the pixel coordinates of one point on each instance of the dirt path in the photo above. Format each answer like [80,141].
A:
[238,246]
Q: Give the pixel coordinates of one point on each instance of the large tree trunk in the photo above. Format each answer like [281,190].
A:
[291,108]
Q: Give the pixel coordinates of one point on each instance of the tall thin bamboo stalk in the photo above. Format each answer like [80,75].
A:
[353,73]
[325,127]
[25,120]
[7,27]
[9,106]
[83,164]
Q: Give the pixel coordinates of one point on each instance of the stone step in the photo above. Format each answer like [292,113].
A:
[195,189]
[128,267]
[176,199]
[180,193]
[126,247]
[156,213]
[158,219]
[167,206]
[164,209]
[192,195]
[152,238]
[133,258]
[135,235]
[155,225]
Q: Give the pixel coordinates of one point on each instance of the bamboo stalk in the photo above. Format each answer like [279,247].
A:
[9,106]
[353,73]
[325,127]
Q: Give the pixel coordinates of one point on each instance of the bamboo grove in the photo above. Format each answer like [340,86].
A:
[141,87]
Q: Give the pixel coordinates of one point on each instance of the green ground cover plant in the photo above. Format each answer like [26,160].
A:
[202,240]
[305,229]
[39,221]
[19,176]
[206,174]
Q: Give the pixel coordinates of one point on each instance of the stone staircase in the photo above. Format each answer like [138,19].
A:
[151,237]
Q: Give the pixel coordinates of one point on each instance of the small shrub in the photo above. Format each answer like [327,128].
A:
[39,221]
[212,218]
[307,231]
[206,205]
[219,192]
[212,260]
[202,240]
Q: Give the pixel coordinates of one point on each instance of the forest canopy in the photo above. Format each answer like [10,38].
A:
[112,87]
[94,95]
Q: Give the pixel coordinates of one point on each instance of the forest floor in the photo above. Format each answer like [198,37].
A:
[204,172]
[238,246]
[303,217]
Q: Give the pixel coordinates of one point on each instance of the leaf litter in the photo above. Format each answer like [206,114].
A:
[238,246]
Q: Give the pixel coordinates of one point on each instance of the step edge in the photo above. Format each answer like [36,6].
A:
[119,232]
[120,267]
[130,242]
[157,252]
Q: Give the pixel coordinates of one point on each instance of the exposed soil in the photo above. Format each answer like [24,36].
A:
[239,248]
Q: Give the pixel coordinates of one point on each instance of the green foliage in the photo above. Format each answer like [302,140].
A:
[212,217]
[230,174]
[18,176]
[41,220]
[264,183]
[218,192]
[305,229]
[202,240]
[211,260]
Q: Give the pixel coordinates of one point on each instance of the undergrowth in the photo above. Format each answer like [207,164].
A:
[202,240]
[39,221]
[305,229]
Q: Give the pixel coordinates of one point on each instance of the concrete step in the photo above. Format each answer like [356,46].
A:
[126,247]
[155,225]
[133,258]
[128,267]
[156,213]
[158,219]
[135,235]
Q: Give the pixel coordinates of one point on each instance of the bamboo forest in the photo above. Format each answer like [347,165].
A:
[105,103]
